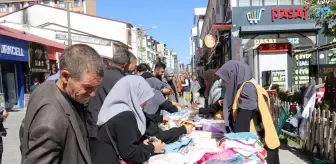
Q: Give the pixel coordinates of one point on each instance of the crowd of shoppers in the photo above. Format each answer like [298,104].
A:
[96,112]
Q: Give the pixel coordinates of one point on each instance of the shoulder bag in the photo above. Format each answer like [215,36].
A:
[121,161]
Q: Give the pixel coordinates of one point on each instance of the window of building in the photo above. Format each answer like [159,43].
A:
[3,8]
[17,6]
[244,3]
[270,2]
[61,3]
[47,2]
[256,2]
[77,3]
[129,37]
[285,2]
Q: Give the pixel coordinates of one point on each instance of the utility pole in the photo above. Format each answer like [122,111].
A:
[68,3]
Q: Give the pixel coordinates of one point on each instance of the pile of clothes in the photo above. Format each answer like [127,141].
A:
[242,148]
[180,115]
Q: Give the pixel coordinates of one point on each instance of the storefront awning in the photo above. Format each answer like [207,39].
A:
[282,27]
[29,37]
[220,27]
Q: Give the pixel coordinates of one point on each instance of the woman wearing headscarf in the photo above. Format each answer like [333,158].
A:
[212,94]
[158,101]
[169,79]
[247,107]
[152,111]
[122,124]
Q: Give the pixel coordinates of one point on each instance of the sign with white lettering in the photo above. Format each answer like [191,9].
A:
[39,61]
[84,39]
[13,49]
[279,77]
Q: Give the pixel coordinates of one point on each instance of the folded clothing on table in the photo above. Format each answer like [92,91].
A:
[242,148]
[178,145]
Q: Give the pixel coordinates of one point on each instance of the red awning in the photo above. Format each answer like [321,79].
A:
[274,47]
[29,37]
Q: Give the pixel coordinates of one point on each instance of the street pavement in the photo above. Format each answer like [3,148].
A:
[12,153]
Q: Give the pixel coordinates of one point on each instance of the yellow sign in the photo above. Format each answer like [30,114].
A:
[209,41]
[69,1]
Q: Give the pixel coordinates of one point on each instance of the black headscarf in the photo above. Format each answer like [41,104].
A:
[235,73]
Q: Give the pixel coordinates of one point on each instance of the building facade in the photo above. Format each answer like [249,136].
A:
[161,50]
[23,57]
[81,6]
[148,50]
[196,42]
[105,38]
[217,22]
[267,38]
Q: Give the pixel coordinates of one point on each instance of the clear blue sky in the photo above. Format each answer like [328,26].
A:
[174,19]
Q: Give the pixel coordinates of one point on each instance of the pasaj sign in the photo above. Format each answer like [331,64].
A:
[290,13]
[11,50]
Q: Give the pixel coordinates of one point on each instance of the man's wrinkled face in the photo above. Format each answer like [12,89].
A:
[132,66]
[159,72]
[80,90]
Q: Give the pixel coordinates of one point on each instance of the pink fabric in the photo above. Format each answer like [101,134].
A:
[231,144]
[205,157]
[223,156]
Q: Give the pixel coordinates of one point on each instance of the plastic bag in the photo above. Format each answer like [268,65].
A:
[216,126]
[303,130]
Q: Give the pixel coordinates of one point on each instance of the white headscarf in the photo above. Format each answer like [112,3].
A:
[127,95]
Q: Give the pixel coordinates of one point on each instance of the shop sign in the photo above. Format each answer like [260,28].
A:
[293,41]
[209,41]
[39,61]
[290,13]
[84,39]
[235,33]
[321,12]
[254,16]
[301,69]
[274,47]
[13,49]
[279,77]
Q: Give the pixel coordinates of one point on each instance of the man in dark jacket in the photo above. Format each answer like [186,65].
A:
[53,130]
[120,62]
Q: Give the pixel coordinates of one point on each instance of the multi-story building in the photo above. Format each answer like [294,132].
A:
[171,60]
[161,52]
[81,6]
[148,50]
[264,34]
[196,41]
[181,67]
[106,37]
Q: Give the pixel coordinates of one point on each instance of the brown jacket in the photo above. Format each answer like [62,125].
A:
[51,131]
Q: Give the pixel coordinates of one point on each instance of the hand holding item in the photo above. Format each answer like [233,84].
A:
[194,106]
[220,102]
[165,91]
[159,146]
[146,142]
[189,128]
[165,119]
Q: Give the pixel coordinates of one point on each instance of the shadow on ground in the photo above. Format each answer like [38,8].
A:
[304,156]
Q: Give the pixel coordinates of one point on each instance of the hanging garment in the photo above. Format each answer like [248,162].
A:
[271,137]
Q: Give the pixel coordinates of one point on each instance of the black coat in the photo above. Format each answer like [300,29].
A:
[111,77]
[124,131]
